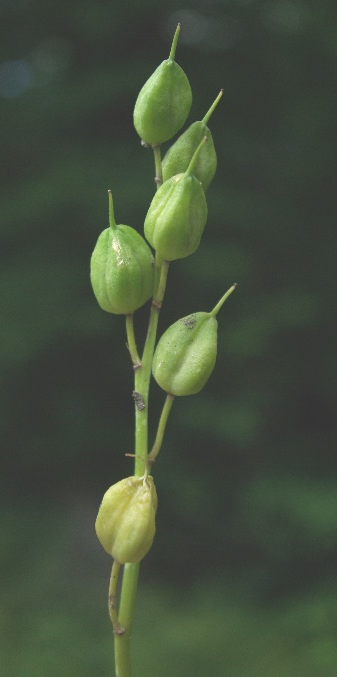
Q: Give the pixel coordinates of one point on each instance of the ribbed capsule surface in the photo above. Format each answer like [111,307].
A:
[177,217]
[121,270]
[125,524]
[186,353]
[179,155]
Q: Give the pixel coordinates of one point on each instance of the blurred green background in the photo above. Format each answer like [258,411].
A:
[241,580]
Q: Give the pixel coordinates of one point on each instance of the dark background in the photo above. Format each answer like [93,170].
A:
[241,580]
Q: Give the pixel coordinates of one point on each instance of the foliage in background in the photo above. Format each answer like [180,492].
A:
[250,464]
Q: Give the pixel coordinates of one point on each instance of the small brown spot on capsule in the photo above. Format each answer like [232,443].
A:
[189,321]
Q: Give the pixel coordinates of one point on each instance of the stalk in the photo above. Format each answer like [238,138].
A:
[130,333]
[161,428]
[142,386]
[125,618]
[159,171]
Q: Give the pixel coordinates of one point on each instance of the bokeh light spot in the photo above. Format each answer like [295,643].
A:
[283,16]
[209,33]
[16,77]
[52,56]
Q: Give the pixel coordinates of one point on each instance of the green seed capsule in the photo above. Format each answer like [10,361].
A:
[179,155]
[164,102]
[121,269]
[125,524]
[186,353]
[177,215]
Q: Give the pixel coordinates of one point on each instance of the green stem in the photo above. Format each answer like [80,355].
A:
[158,166]
[142,385]
[159,180]
[159,295]
[126,612]
[158,266]
[143,375]
[130,333]
[117,628]
[161,428]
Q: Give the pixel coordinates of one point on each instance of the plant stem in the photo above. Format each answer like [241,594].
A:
[130,333]
[158,180]
[126,611]
[142,385]
[161,428]
[143,375]
[158,166]
[118,629]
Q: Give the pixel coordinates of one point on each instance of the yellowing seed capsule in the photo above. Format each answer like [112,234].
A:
[125,524]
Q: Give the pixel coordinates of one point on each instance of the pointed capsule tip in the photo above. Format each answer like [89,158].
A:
[174,43]
[193,161]
[112,222]
[215,310]
[213,106]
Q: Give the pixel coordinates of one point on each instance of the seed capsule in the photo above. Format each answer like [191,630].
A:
[164,102]
[125,524]
[186,353]
[177,214]
[179,155]
[121,269]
